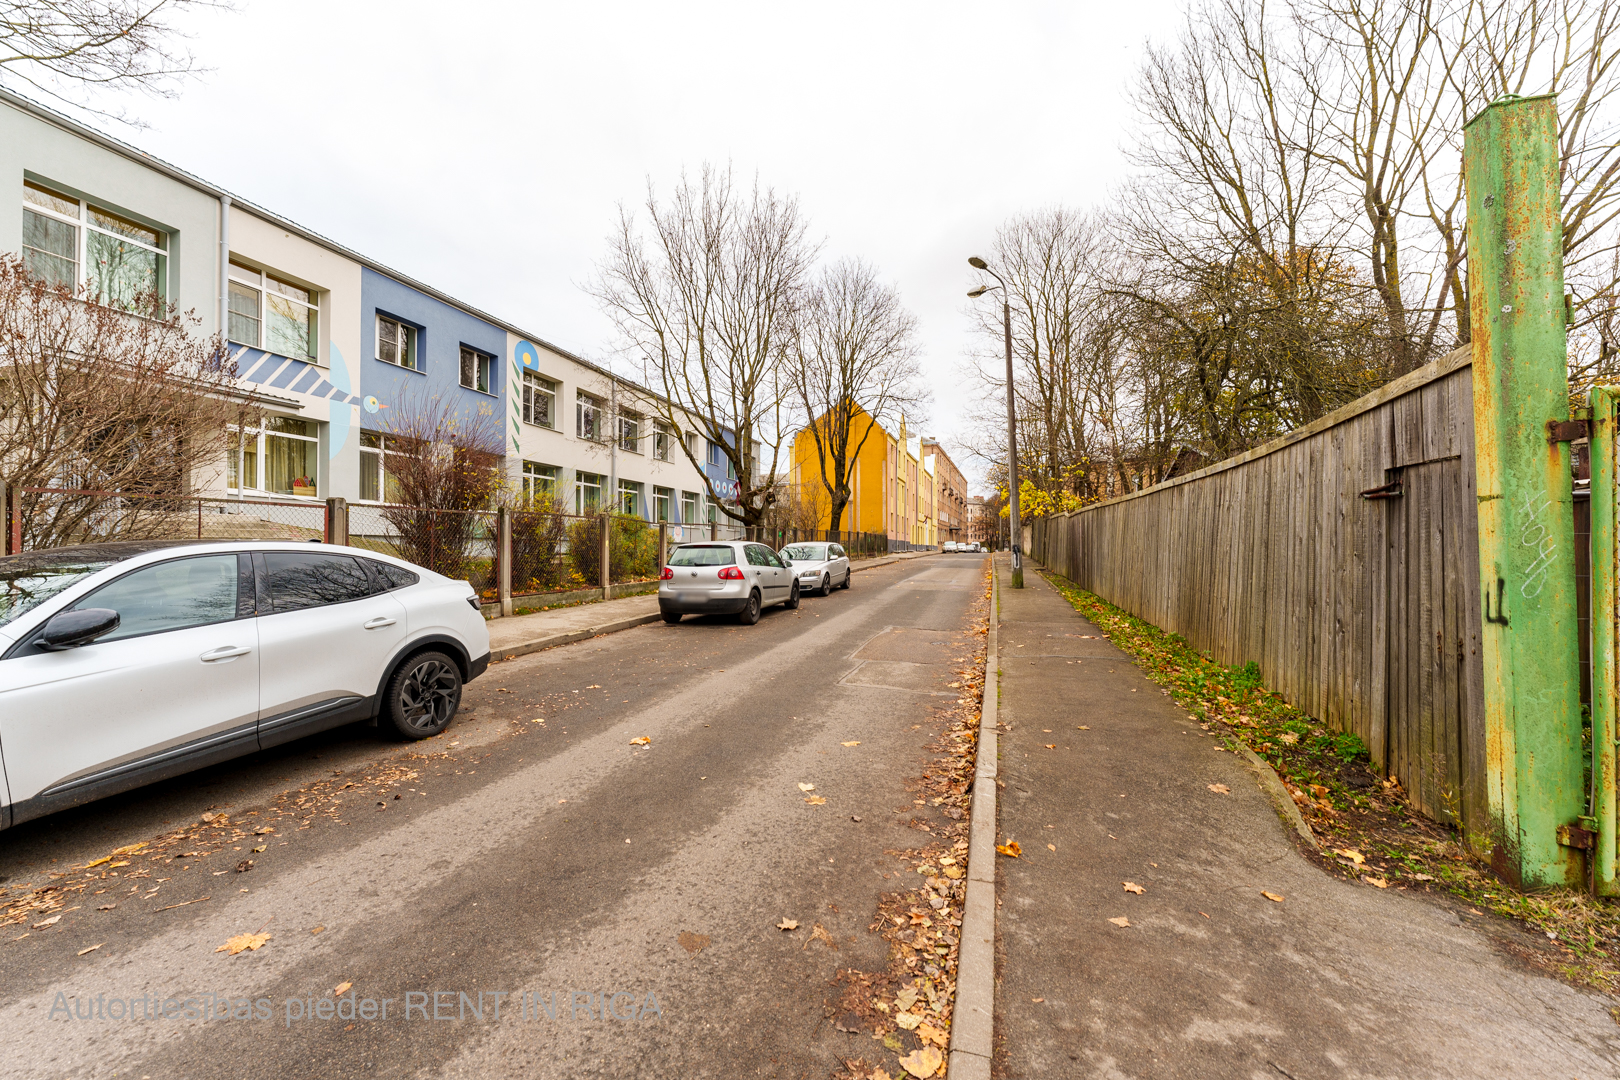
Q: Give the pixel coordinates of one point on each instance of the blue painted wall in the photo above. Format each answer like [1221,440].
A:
[441,331]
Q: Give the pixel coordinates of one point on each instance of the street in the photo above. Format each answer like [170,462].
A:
[532,893]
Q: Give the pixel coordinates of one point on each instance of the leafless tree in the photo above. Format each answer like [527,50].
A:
[854,366]
[705,303]
[93,398]
[51,46]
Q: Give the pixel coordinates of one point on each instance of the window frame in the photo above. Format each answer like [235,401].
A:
[83,225]
[483,369]
[412,343]
[663,435]
[589,404]
[258,280]
[627,430]
[533,478]
[581,507]
[243,580]
[534,386]
[663,504]
[634,490]
[255,440]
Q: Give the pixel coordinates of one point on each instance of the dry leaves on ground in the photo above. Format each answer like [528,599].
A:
[91,949]
[641,740]
[816,800]
[1011,849]
[692,943]
[922,1063]
[1376,882]
[1133,887]
[788,924]
[341,988]
[819,933]
[1220,789]
[244,943]
[807,787]
[1272,896]
[1122,922]
[1350,853]
[857,742]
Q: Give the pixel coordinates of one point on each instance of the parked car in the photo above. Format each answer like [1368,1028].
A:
[822,567]
[725,577]
[949,547]
[129,662]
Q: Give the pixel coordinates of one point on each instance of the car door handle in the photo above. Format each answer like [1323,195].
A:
[378,623]
[224,652]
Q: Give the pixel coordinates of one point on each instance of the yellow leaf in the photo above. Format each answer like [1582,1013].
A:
[788,924]
[129,849]
[641,741]
[907,1020]
[807,787]
[1121,922]
[1083,727]
[1133,887]
[929,1033]
[241,942]
[341,988]
[906,998]
[98,862]
[857,742]
[952,872]
[816,800]
[1010,849]
[116,865]
[1271,896]
[1051,746]
[1376,882]
[1220,789]
[880,1074]
[1350,853]
[52,921]
[91,949]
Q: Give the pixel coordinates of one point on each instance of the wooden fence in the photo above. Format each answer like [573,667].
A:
[1363,612]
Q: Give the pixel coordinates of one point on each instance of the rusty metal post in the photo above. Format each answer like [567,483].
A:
[1605,577]
[1534,789]
[663,545]
[503,559]
[16,529]
[607,567]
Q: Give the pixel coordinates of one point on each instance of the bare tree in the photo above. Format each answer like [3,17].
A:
[705,303]
[854,366]
[50,45]
[93,398]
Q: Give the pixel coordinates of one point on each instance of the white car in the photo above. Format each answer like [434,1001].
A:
[820,568]
[134,661]
[725,577]
[951,547]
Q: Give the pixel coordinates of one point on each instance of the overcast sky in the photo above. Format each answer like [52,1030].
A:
[483,148]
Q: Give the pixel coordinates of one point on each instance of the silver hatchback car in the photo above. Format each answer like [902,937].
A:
[725,577]
[820,567]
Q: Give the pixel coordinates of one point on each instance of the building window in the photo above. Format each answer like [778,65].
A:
[689,506]
[588,417]
[539,400]
[474,370]
[271,314]
[630,495]
[587,493]
[539,483]
[662,500]
[692,444]
[630,432]
[277,457]
[377,483]
[396,343]
[72,243]
[663,440]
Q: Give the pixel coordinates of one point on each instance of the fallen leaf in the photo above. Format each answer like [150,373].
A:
[929,1033]
[52,921]
[1220,789]
[130,849]
[1051,847]
[116,865]
[1271,896]
[955,872]
[98,862]
[1423,877]
[593,686]
[1037,1000]
[262,831]
[807,787]
[1376,882]
[641,741]
[880,1074]
[908,1020]
[1051,746]
[1350,853]
[819,933]
[1121,922]
[692,943]
[906,998]
[815,800]
[788,924]
[260,848]
[1133,887]
[241,942]
[106,907]
[317,930]
[244,866]
[91,949]
[1083,727]
[857,742]
[922,1063]
[1010,849]
[341,988]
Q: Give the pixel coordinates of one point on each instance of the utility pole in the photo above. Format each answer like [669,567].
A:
[1014,532]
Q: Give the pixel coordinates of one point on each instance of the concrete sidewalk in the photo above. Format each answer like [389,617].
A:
[1211,978]
[519,635]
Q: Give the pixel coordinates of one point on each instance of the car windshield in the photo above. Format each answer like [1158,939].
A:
[706,555]
[805,553]
[26,584]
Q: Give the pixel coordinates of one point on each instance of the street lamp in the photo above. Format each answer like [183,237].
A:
[1014,535]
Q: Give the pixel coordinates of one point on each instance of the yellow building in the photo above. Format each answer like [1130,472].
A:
[893,487]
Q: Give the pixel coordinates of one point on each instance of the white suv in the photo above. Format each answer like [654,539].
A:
[725,577]
[129,662]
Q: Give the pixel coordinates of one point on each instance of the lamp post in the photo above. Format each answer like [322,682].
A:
[1014,534]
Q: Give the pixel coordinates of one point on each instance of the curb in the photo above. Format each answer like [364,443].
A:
[551,641]
[1281,801]
[973,1018]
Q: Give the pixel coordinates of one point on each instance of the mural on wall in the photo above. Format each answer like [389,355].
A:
[524,356]
[338,435]
[295,376]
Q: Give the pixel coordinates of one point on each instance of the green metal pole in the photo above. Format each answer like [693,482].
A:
[1526,528]
[1604,577]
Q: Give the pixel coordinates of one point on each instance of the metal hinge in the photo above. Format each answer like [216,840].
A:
[1576,837]
[1565,430]
[1391,490]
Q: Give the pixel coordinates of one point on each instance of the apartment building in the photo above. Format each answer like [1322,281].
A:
[950,516]
[332,347]
[892,482]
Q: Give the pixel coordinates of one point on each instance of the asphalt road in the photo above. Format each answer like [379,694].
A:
[529,899]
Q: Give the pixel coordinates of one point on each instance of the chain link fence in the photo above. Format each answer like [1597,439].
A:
[57,517]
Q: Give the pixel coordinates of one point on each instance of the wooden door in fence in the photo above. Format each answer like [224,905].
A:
[1428,593]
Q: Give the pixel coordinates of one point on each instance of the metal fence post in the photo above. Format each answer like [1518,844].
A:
[663,546]
[15,532]
[1529,645]
[337,521]
[503,559]
[1605,577]
[607,566]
